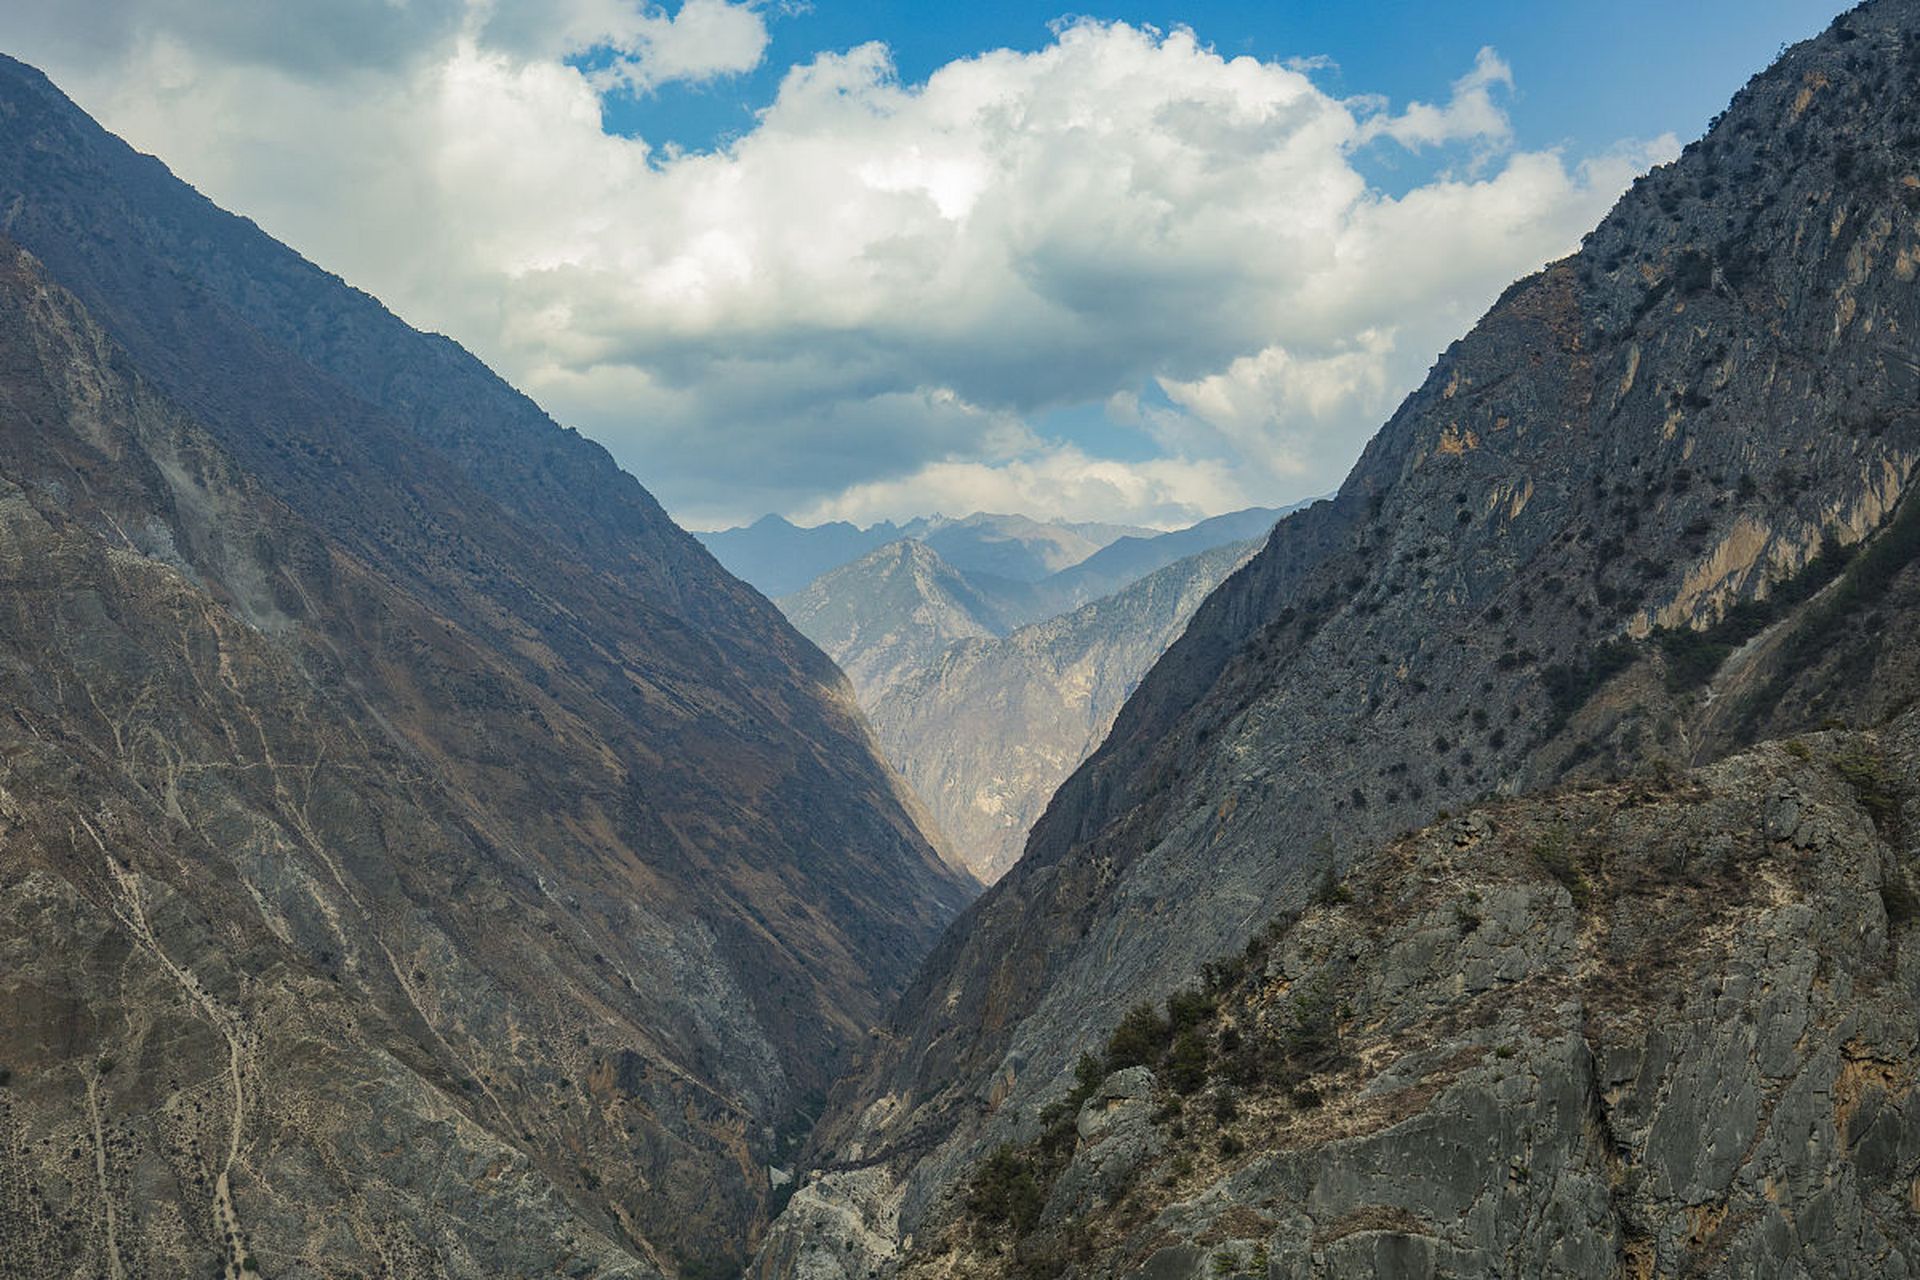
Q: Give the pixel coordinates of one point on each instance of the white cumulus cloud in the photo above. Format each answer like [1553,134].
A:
[861,305]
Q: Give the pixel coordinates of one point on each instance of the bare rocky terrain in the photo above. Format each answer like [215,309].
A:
[988,727]
[417,856]
[1646,519]
[984,718]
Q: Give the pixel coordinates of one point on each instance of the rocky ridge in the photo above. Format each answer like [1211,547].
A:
[416,855]
[1662,1027]
[1648,511]
[987,728]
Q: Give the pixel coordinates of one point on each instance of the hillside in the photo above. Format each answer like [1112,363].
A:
[987,729]
[1648,513]
[1127,560]
[891,613]
[420,857]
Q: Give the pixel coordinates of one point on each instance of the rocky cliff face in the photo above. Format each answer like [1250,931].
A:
[986,729]
[1653,1028]
[891,613]
[416,856]
[1648,511]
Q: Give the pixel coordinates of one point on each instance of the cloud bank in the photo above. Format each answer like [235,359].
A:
[869,304]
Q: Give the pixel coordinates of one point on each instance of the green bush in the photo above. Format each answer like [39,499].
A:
[1005,1192]
[1330,892]
[1187,1064]
[1088,1073]
[1139,1039]
[1866,774]
[1553,854]
[1310,1035]
[1189,1008]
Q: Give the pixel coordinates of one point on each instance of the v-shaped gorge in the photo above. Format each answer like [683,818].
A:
[417,856]
[1650,513]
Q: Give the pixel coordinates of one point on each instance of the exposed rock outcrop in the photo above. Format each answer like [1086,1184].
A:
[1643,1029]
[1647,512]
[417,857]
[987,728]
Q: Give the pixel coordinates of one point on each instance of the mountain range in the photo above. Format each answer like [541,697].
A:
[983,712]
[419,857]
[1509,870]
[780,557]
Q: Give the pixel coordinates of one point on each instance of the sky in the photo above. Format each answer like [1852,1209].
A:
[1142,262]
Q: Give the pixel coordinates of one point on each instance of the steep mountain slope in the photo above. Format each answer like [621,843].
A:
[1631,1030]
[891,613]
[1127,560]
[420,857]
[779,557]
[1538,569]
[987,729]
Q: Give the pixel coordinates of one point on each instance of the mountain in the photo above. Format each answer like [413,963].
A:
[1017,548]
[891,613]
[988,727]
[421,858]
[1127,560]
[780,558]
[1646,520]
[982,718]
[1558,1036]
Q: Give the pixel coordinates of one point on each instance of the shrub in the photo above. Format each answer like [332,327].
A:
[1693,272]
[1005,1191]
[1553,854]
[1330,892]
[1866,774]
[1310,1036]
[1188,1008]
[1187,1064]
[1139,1039]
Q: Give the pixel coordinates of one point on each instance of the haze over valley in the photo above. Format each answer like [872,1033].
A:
[1249,642]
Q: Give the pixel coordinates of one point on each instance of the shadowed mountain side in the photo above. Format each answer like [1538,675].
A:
[396,790]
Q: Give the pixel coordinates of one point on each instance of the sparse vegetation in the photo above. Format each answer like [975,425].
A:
[1866,773]
[1006,1192]
[1553,854]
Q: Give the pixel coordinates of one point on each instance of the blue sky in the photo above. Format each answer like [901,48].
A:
[863,261]
[1589,74]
